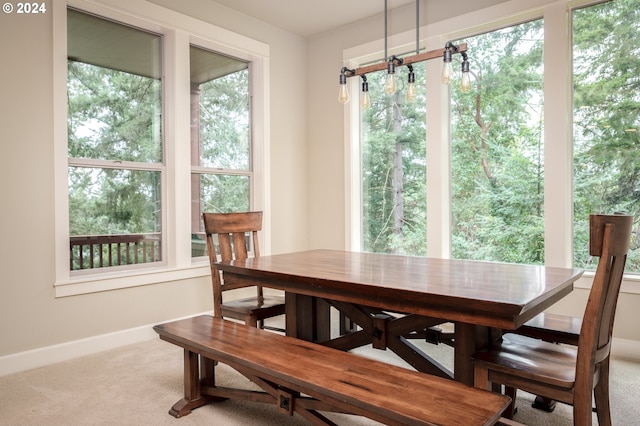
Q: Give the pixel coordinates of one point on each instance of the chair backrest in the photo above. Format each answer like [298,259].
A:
[609,238]
[231,230]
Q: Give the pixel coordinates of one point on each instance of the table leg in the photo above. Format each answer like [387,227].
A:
[307,317]
[465,346]
[470,338]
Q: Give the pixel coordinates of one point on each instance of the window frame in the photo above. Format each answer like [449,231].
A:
[133,166]
[558,116]
[178,32]
[200,170]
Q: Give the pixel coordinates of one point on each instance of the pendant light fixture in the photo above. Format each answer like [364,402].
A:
[392,62]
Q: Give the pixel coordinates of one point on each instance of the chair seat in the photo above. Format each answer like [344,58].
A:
[553,328]
[532,359]
[269,306]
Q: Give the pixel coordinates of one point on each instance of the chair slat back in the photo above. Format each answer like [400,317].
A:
[609,239]
[231,230]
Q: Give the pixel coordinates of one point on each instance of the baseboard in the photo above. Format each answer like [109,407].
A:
[40,357]
[14,363]
[625,348]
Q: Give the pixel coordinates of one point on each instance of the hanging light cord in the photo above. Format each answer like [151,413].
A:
[386,57]
[417,26]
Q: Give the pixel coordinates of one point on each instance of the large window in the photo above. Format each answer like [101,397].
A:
[115,144]
[512,185]
[220,138]
[157,118]
[394,167]
[606,115]
[496,149]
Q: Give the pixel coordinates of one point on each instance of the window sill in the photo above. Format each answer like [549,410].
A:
[630,282]
[115,281]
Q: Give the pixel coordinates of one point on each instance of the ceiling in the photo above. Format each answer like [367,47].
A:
[310,17]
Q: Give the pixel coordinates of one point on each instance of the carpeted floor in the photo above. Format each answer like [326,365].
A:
[137,384]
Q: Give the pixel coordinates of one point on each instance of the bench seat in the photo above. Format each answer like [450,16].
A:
[553,328]
[304,377]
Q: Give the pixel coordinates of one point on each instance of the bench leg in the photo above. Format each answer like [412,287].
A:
[192,396]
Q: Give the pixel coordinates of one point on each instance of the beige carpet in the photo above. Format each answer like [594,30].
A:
[137,384]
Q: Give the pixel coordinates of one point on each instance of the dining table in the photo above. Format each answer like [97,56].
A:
[392,298]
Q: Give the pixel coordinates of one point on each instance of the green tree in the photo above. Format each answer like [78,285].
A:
[606,119]
[497,173]
[394,168]
[114,116]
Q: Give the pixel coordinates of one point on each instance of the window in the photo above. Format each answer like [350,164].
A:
[606,138]
[497,149]
[220,139]
[496,160]
[115,145]
[122,131]
[506,182]
[394,167]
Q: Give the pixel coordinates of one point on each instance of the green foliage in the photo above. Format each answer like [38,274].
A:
[497,162]
[606,120]
[224,122]
[225,143]
[113,116]
[393,168]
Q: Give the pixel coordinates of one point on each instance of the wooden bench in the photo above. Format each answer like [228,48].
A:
[305,378]
[553,328]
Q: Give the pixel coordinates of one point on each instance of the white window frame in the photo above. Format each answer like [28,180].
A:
[179,32]
[558,113]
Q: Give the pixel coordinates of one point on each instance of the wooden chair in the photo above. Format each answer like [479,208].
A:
[563,373]
[554,328]
[232,231]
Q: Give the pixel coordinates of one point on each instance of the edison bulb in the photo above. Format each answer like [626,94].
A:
[465,83]
[343,94]
[411,92]
[365,100]
[390,86]
[447,73]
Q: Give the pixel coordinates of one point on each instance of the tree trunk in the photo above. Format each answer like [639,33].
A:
[398,173]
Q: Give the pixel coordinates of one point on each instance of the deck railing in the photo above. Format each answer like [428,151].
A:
[99,251]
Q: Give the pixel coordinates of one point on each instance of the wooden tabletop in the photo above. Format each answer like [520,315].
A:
[493,294]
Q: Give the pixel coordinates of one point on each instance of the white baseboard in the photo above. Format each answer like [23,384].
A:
[40,357]
[14,363]
[625,348]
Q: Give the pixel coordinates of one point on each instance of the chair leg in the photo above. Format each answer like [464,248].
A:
[582,403]
[601,393]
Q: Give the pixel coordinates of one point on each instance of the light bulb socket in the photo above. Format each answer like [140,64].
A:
[365,85]
[446,56]
[449,49]
[412,76]
[392,62]
[343,74]
[391,67]
[465,63]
